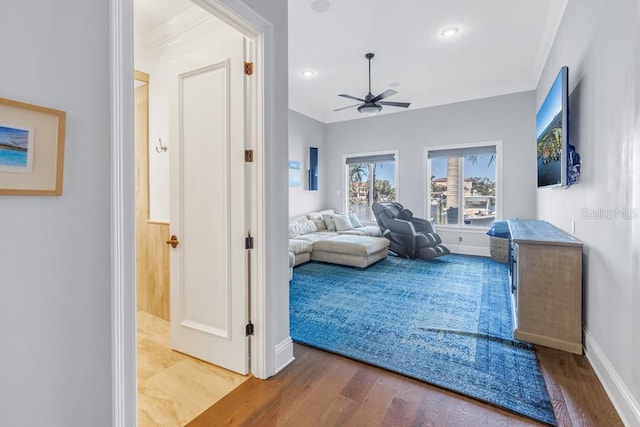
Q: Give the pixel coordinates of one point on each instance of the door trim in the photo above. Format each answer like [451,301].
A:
[123,296]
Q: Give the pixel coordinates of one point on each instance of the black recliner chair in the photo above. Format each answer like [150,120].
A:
[409,237]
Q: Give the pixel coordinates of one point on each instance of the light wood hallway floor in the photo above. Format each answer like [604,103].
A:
[174,388]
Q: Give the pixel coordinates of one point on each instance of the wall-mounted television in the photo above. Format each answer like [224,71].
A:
[558,163]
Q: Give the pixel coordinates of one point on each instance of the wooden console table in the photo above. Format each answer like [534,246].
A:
[546,285]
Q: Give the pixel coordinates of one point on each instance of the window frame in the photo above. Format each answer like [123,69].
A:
[499,176]
[345,174]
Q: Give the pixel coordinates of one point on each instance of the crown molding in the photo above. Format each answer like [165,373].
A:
[554,19]
[185,27]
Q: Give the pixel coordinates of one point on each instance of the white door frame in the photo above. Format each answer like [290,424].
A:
[260,130]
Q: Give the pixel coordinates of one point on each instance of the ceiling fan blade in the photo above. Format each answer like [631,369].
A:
[344,108]
[395,104]
[387,93]
[344,95]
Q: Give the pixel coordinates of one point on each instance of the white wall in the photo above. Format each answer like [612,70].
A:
[55,324]
[509,118]
[55,310]
[305,132]
[156,64]
[157,68]
[600,43]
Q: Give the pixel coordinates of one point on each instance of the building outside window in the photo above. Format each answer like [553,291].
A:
[462,186]
[370,178]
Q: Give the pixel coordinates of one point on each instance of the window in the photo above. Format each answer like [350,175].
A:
[462,185]
[370,178]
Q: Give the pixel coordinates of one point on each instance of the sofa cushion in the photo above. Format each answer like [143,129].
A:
[366,230]
[298,246]
[316,237]
[371,230]
[342,222]
[353,232]
[352,245]
[301,228]
[299,218]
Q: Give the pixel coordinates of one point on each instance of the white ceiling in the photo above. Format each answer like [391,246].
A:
[148,15]
[500,48]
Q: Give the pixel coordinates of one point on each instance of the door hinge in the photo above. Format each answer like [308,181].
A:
[248,68]
[248,156]
[248,242]
[249,329]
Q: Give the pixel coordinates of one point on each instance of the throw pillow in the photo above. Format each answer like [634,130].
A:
[342,222]
[314,215]
[355,222]
[310,227]
[301,228]
[328,220]
[294,229]
[320,225]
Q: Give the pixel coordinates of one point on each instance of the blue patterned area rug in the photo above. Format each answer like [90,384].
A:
[446,322]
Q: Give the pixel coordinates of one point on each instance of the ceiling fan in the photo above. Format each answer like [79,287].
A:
[373,104]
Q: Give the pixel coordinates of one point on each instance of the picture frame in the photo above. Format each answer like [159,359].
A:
[31,149]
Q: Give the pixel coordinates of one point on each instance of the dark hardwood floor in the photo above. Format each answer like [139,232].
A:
[322,389]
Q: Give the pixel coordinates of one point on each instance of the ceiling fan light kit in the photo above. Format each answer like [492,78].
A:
[373,104]
[370,108]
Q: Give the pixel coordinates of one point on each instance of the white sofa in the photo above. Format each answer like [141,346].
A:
[364,246]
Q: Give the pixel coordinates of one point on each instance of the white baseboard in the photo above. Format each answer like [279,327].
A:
[627,406]
[284,354]
[469,250]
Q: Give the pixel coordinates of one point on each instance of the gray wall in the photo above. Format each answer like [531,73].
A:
[600,43]
[510,118]
[55,309]
[305,132]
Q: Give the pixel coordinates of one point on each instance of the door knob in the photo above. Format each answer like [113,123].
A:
[173,241]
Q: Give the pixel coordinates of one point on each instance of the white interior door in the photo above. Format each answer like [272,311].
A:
[207,208]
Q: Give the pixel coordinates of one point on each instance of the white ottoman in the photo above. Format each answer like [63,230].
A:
[356,251]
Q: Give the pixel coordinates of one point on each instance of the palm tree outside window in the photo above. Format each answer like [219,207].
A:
[370,178]
[462,187]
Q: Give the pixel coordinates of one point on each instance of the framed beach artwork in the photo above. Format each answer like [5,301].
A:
[16,149]
[31,149]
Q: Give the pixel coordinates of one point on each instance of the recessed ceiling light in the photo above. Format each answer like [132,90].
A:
[449,32]
[308,73]
[320,5]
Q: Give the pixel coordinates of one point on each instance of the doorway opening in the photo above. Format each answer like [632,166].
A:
[173,387]
[123,208]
